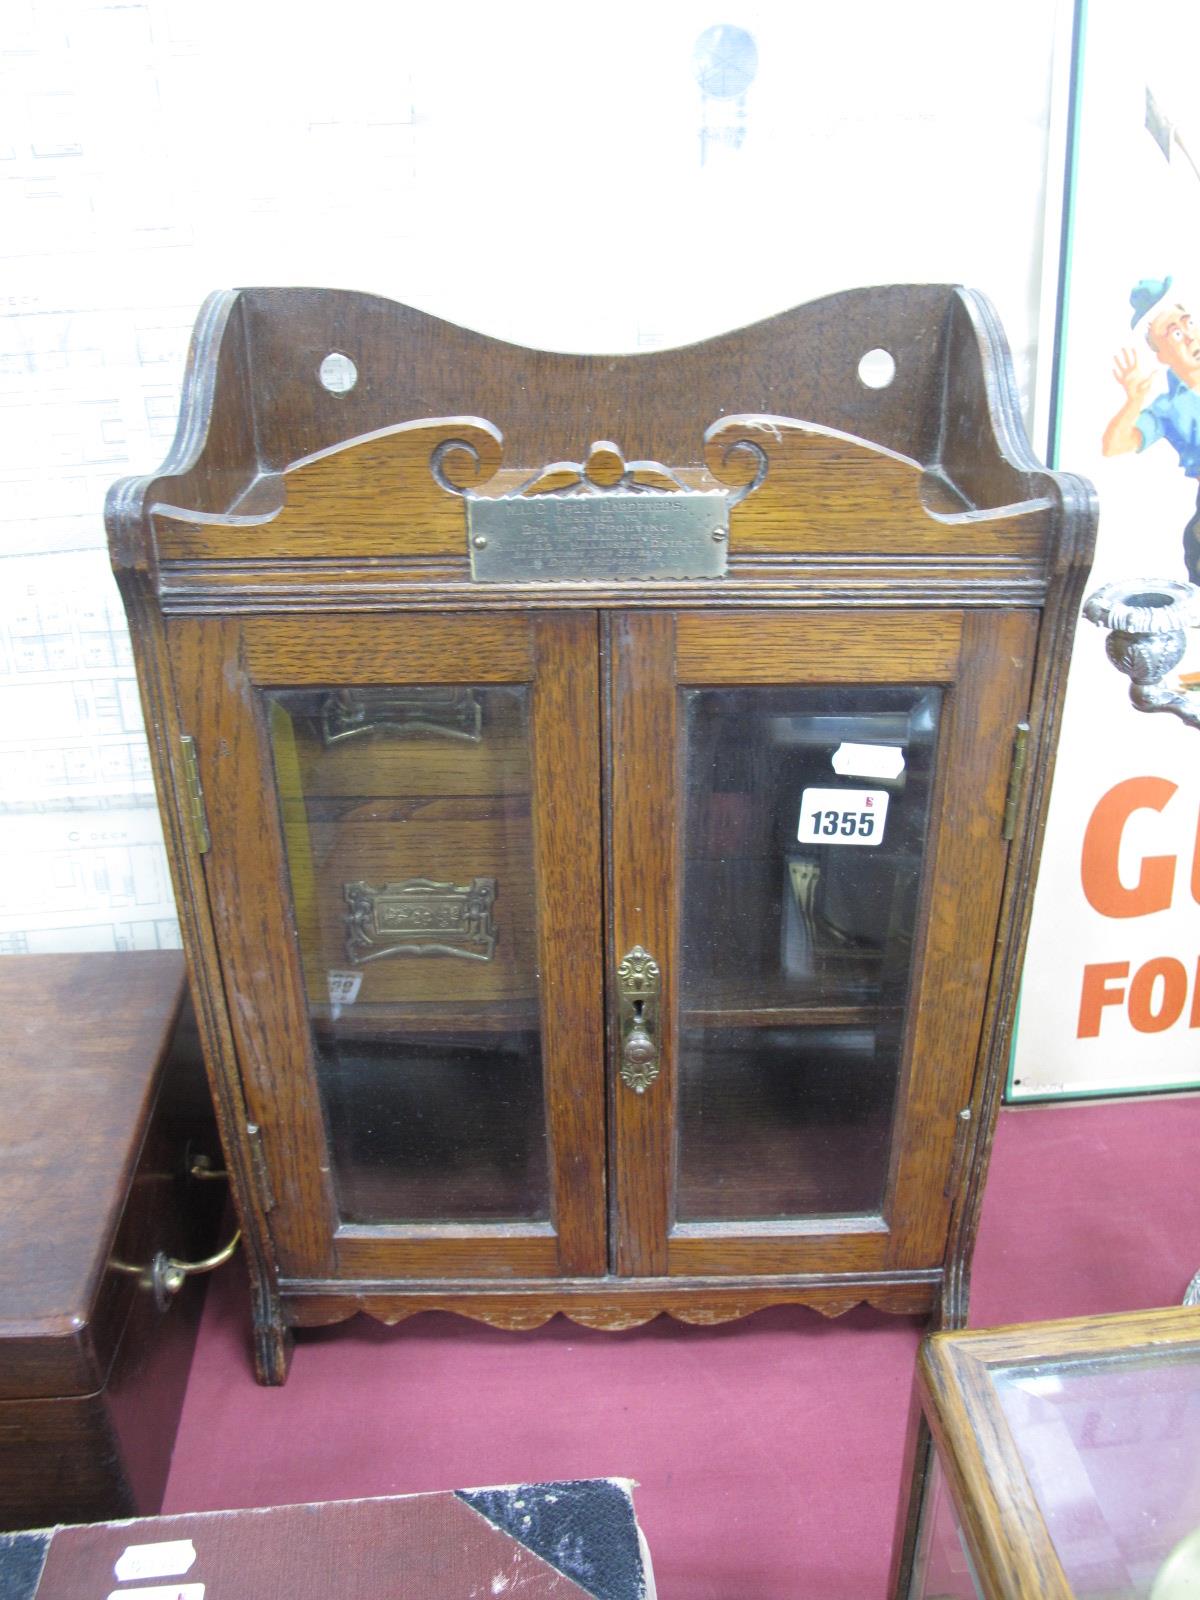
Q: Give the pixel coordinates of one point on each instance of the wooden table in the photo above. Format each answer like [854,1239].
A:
[105,1109]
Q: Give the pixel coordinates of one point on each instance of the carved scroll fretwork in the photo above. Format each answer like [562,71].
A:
[601,519]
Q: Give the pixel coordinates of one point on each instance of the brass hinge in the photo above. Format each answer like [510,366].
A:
[258,1161]
[197,816]
[1016,777]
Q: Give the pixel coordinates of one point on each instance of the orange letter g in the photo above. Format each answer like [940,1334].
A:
[1102,849]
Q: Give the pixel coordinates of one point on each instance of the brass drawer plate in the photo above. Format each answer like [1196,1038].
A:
[420,918]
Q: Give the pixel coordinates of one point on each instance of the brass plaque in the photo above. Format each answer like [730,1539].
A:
[420,918]
[602,537]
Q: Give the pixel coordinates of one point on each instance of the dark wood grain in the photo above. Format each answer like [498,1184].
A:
[468,1250]
[987,660]
[1006,1534]
[860,497]
[955,946]
[895,538]
[840,647]
[566,739]
[918,1459]
[214,450]
[374,497]
[377,496]
[644,893]
[801,364]
[105,1098]
[447,649]
[251,900]
[792,579]
[248,1180]
[613,1302]
[245,874]
[1053,658]
[62,1458]
[81,1060]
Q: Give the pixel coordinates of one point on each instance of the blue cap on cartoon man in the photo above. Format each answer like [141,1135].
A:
[1145,295]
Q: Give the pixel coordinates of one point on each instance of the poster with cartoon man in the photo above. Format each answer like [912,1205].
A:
[1173,414]
[1110,997]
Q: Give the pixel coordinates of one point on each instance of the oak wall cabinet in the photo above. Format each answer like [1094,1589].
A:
[603,795]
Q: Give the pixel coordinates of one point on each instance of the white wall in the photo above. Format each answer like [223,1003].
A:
[532,171]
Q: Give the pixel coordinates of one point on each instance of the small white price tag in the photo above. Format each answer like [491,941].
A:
[842,816]
[161,1591]
[868,761]
[166,1559]
[343,989]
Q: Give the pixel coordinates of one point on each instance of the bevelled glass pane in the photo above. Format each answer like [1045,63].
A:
[1111,1448]
[942,1566]
[805,817]
[407,820]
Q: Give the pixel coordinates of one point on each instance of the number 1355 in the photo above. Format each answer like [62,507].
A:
[849,824]
[842,816]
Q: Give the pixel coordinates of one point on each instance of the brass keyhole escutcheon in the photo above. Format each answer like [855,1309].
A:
[639,984]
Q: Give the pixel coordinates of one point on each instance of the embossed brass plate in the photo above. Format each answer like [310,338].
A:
[420,918]
[602,537]
[450,713]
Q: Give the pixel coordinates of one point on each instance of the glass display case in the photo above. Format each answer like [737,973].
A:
[602,879]
[1066,1462]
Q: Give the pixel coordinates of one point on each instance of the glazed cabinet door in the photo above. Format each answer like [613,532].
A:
[807,866]
[404,884]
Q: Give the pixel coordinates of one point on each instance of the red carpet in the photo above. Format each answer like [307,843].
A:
[768,1451]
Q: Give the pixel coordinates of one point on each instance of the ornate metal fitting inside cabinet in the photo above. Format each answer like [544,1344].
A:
[420,918]
[448,713]
[603,518]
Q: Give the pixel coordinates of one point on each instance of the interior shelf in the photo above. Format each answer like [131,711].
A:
[381,1019]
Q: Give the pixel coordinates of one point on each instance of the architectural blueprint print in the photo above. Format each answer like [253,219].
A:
[144,162]
[82,864]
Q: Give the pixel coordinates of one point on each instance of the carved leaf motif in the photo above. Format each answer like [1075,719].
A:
[639,1075]
[638,974]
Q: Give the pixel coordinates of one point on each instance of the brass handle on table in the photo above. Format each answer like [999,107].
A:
[165,1275]
[174,1272]
[639,984]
